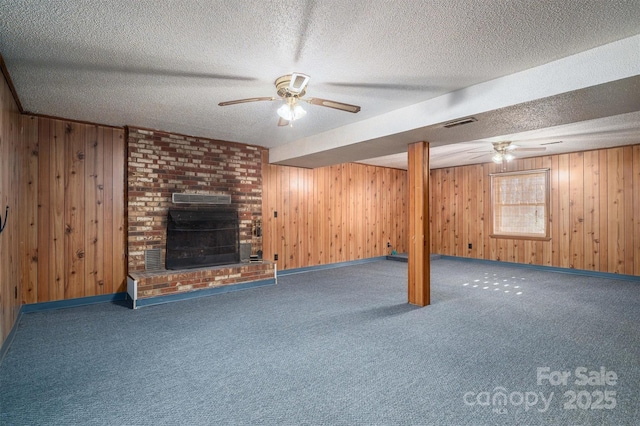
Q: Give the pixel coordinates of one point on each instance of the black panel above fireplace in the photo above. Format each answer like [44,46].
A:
[199,238]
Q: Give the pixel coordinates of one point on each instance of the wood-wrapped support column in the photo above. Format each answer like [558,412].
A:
[419,242]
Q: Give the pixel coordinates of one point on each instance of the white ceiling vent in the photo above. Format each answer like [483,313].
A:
[200,199]
[459,122]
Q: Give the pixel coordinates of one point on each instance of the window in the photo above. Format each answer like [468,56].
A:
[520,204]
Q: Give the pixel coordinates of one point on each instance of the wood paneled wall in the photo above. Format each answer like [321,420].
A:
[18,190]
[593,198]
[332,214]
[81,212]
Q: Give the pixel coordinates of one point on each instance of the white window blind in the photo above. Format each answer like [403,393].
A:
[520,203]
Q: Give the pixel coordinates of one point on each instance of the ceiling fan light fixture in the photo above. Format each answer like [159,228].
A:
[291,112]
[291,88]
[497,158]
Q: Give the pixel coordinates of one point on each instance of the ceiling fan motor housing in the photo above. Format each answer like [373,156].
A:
[503,147]
[283,85]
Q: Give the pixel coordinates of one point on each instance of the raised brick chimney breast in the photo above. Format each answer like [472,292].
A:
[160,164]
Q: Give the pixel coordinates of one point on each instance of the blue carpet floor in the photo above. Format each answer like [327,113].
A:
[499,345]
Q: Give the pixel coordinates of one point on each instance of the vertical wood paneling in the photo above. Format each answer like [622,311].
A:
[454,217]
[284,214]
[489,243]
[18,191]
[636,209]
[56,246]
[627,167]
[74,211]
[344,213]
[379,235]
[329,253]
[554,223]
[312,246]
[368,212]
[364,211]
[106,237]
[81,210]
[269,202]
[119,246]
[333,187]
[448,199]
[479,232]
[576,210]
[8,120]
[28,208]
[320,224]
[604,211]
[372,242]
[435,217]
[351,193]
[383,189]
[292,216]
[390,205]
[594,195]
[565,215]
[44,208]
[354,216]
[464,218]
[471,220]
[93,199]
[591,211]
[615,210]
[266,197]
[303,182]
[546,246]
[339,213]
[403,188]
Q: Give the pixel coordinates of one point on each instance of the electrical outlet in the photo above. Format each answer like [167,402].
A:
[275,257]
[275,214]
[470,245]
[388,244]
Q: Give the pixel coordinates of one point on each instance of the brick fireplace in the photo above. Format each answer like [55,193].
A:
[161,164]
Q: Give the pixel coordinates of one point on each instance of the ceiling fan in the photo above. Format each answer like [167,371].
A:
[291,88]
[503,151]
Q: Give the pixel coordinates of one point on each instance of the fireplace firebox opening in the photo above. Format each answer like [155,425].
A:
[201,238]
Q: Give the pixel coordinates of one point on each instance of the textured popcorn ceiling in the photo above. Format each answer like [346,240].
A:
[167,64]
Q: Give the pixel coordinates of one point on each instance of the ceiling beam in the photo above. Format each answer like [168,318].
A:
[546,86]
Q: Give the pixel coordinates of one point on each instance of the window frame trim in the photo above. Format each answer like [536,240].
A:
[547,207]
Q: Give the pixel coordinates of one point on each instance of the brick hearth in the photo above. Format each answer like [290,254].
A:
[160,283]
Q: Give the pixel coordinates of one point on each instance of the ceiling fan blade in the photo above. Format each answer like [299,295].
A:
[479,156]
[529,149]
[282,122]
[486,151]
[389,86]
[242,101]
[333,104]
[445,151]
